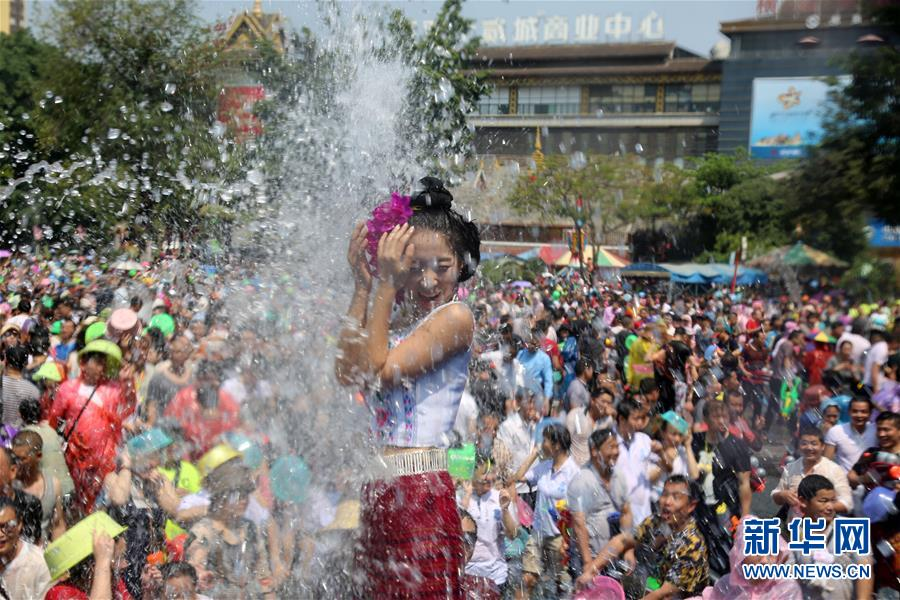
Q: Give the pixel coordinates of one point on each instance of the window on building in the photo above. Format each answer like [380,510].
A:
[616,98]
[549,100]
[692,97]
[495,103]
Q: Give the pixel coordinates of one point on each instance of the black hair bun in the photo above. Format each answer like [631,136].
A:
[432,194]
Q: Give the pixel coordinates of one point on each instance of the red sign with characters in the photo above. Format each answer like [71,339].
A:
[236,109]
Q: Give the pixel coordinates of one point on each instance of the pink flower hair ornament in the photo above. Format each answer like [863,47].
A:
[385,217]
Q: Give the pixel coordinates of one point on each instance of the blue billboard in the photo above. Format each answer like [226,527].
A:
[882,235]
[786,115]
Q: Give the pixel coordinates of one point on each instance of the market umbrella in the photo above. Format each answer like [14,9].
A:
[600,257]
[801,255]
[606,259]
[797,255]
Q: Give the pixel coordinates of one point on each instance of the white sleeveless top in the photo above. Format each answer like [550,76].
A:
[420,412]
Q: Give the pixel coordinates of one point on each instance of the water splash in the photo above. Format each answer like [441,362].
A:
[342,146]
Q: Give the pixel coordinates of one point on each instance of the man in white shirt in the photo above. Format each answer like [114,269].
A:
[582,422]
[846,442]
[635,455]
[594,495]
[818,500]
[875,359]
[23,571]
[858,343]
[812,462]
[542,560]
[466,417]
[517,432]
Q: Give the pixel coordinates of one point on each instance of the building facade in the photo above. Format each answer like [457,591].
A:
[653,99]
[799,44]
[12,15]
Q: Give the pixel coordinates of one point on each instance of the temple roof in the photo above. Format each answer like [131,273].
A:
[245,28]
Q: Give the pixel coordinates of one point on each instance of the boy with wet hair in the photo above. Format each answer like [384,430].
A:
[635,455]
[817,500]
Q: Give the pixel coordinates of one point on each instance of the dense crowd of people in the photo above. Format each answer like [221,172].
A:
[601,436]
[653,420]
[135,452]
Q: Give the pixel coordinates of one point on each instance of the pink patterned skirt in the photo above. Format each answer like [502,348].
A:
[411,543]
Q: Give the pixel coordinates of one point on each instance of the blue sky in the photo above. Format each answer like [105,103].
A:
[693,24]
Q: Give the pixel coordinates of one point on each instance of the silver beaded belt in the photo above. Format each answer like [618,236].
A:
[414,462]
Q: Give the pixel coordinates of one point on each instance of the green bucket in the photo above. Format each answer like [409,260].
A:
[461,461]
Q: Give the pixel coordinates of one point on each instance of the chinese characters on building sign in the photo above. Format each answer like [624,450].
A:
[617,27]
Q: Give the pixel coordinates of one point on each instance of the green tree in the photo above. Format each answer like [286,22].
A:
[704,210]
[608,187]
[287,75]
[23,59]
[855,172]
[753,208]
[822,209]
[304,71]
[668,194]
[444,89]
[862,140]
[136,120]
[870,279]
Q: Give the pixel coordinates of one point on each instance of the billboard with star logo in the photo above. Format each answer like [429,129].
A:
[787,114]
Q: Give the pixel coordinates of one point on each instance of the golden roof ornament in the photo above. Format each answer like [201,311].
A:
[538,154]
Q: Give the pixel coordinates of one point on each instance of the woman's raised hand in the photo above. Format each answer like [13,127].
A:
[103,547]
[395,255]
[356,256]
